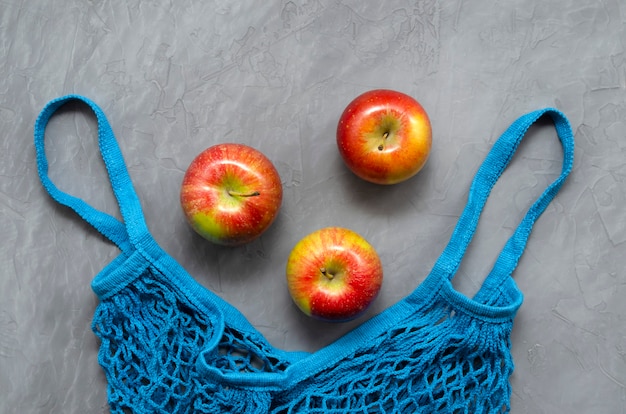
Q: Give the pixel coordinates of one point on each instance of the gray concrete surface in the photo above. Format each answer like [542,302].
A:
[176,77]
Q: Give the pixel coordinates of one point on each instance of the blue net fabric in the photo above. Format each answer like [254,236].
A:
[436,359]
[170,346]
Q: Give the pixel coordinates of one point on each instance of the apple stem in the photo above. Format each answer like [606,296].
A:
[238,194]
[385,136]
[326,273]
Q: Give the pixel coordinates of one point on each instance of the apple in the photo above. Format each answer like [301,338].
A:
[231,194]
[384,136]
[334,274]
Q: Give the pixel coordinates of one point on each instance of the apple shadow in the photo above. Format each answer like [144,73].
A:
[381,199]
[315,334]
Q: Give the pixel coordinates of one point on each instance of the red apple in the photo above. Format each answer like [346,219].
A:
[334,274]
[231,193]
[384,136]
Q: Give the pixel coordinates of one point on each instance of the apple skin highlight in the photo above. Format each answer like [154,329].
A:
[384,136]
[231,194]
[334,274]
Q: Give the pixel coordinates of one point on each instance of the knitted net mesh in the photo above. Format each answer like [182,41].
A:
[438,360]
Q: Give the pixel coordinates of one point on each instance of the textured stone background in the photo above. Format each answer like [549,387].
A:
[177,76]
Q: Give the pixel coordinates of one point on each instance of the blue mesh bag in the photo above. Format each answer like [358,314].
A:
[169,345]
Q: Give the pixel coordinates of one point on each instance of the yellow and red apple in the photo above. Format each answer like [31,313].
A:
[384,136]
[334,274]
[231,193]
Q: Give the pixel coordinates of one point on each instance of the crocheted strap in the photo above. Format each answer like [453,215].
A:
[490,171]
[134,228]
